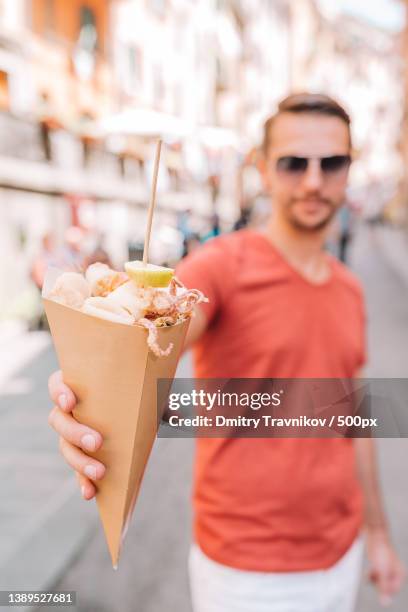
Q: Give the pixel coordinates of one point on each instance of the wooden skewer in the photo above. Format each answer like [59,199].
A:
[152,203]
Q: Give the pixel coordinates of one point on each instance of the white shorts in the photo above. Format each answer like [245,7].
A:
[219,588]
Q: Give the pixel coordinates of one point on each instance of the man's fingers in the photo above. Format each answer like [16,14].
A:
[60,393]
[79,435]
[397,579]
[388,581]
[385,600]
[385,588]
[92,469]
[88,489]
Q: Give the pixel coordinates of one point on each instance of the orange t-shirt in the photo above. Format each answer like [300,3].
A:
[274,504]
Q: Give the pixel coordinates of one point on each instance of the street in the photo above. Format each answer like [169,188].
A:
[152,574]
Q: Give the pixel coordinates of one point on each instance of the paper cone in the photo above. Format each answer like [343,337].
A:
[113,375]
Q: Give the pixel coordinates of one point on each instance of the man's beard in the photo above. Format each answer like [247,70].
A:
[319,225]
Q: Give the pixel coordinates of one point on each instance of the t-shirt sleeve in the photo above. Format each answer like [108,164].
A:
[209,269]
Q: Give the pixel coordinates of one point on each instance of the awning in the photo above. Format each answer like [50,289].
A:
[144,122]
[151,123]
[218,137]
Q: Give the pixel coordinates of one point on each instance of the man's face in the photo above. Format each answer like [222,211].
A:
[306,194]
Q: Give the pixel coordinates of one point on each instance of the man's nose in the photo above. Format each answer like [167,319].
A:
[312,179]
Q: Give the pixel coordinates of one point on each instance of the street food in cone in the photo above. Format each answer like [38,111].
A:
[113,350]
[116,336]
[111,295]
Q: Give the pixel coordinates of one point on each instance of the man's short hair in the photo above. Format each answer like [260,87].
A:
[317,104]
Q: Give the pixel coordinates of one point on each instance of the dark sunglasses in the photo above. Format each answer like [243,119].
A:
[298,165]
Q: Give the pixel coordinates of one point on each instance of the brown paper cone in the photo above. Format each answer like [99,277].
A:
[113,375]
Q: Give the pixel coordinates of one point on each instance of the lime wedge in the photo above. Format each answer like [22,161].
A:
[150,275]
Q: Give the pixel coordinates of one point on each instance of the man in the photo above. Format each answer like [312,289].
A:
[278,522]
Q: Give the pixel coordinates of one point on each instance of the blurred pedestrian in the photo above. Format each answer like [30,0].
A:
[69,256]
[249,186]
[183,226]
[215,228]
[44,258]
[191,243]
[72,254]
[97,255]
[345,221]
[48,123]
[214,176]
[243,219]
[278,523]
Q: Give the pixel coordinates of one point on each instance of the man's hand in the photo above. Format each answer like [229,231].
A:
[74,437]
[386,571]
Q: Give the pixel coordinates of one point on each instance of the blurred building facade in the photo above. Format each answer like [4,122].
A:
[54,74]
[211,62]
[360,65]
[76,78]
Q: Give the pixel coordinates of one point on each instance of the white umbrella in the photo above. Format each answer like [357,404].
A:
[218,137]
[144,122]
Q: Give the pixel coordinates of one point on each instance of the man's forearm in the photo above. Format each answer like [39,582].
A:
[368,473]
[197,327]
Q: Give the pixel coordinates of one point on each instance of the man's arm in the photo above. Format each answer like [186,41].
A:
[198,325]
[366,458]
[386,571]
[374,516]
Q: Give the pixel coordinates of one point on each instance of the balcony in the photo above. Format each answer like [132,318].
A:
[72,165]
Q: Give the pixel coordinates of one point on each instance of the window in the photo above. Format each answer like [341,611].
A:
[28,13]
[88,35]
[4,91]
[158,87]
[221,5]
[87,17]
[40,15]
[84,53]
[135,66]
[221,74]
[178,100]
[158,6]
[49,16]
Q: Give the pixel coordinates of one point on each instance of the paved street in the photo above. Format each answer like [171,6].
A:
[386,287]
[40,492]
